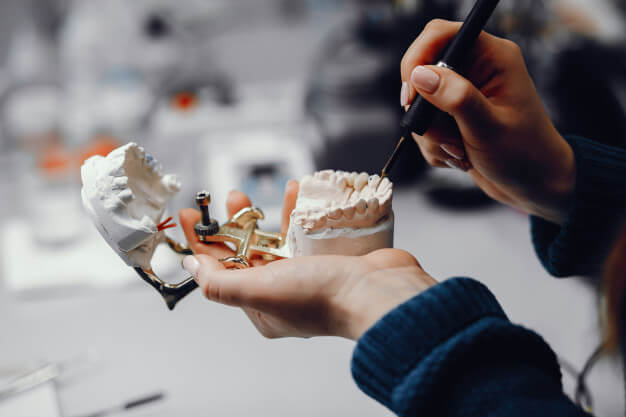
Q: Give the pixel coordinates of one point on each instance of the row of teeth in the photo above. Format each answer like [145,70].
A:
[146,159]
[122,195]
[363,194]
[353,179]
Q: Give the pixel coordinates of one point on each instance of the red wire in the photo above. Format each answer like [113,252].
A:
[164,224]
[169,226]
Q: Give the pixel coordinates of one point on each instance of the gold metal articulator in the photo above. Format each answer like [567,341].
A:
[241,232]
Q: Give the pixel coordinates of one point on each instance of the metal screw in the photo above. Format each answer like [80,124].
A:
[203,199]
[207,226]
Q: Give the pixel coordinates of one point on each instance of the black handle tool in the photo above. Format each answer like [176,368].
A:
[421,113]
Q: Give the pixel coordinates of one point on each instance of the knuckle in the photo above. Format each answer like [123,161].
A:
[435,25]
[512,48]
[461,98]
[407,258]
[212,292]
[431,159]
[269,335]
[432,147]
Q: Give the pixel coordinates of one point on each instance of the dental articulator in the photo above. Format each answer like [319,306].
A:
[336,212]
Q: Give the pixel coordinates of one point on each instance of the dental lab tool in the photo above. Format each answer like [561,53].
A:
[421,113]
[336,212]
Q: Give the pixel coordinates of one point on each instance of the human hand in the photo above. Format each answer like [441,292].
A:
[315,295]
[498,129]
[305,296]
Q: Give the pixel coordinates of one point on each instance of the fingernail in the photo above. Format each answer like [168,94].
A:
[455,164]
[404,94]
[425,79]
[191,265]
[453,151]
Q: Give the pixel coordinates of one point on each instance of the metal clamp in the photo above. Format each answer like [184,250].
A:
[241,231]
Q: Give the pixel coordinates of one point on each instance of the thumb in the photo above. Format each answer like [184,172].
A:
[453,94]
[236,287]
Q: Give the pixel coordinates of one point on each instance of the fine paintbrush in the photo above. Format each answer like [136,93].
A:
[421,113]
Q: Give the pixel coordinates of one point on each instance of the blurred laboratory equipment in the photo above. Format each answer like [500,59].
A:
[565,44]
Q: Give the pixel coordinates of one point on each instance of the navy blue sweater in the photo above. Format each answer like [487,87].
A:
[451,351]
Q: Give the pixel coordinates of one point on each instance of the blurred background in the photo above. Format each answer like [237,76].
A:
[246,94]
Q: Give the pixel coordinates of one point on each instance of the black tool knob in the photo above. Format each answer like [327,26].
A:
[207,226]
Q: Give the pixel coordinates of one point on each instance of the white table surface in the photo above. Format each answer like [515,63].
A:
[210,361]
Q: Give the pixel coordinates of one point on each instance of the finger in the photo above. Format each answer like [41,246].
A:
[455,95]
[428,45]
[236,201]
[188,219]
[407,95]
[439,155]
[434,156]
[209,263]
[289,203]
[236,287]
[444,131]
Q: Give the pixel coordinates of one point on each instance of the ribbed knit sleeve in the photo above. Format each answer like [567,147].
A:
[451,351]
[580,246]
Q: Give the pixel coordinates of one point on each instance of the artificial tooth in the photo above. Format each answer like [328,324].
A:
[335,213]
[326,174]
[171,183]
[373,181]
[112,204]
[372,205]
[306,181]
[126,195]
[360,181]
[350,178]
[384,183]
[341,181]
[120,183]
[361,206]
[321,222]
[348,212]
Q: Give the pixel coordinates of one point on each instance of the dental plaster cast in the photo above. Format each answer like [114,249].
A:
[341,213]
[125,194]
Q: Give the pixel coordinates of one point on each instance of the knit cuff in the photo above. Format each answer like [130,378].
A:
[580,246]
[389,350]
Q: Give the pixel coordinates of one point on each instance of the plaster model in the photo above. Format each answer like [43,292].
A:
[125,194]
[341,213]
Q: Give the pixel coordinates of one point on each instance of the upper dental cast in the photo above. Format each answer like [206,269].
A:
[125,194]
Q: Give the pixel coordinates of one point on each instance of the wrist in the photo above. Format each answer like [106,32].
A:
[553,200]
[377,294]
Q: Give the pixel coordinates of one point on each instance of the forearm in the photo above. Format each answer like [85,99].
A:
[451,351]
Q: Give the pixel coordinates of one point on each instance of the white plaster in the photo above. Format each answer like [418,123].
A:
[341,213]
[125,195]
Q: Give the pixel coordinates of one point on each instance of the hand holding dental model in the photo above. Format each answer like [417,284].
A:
[332,213]
[306,295]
